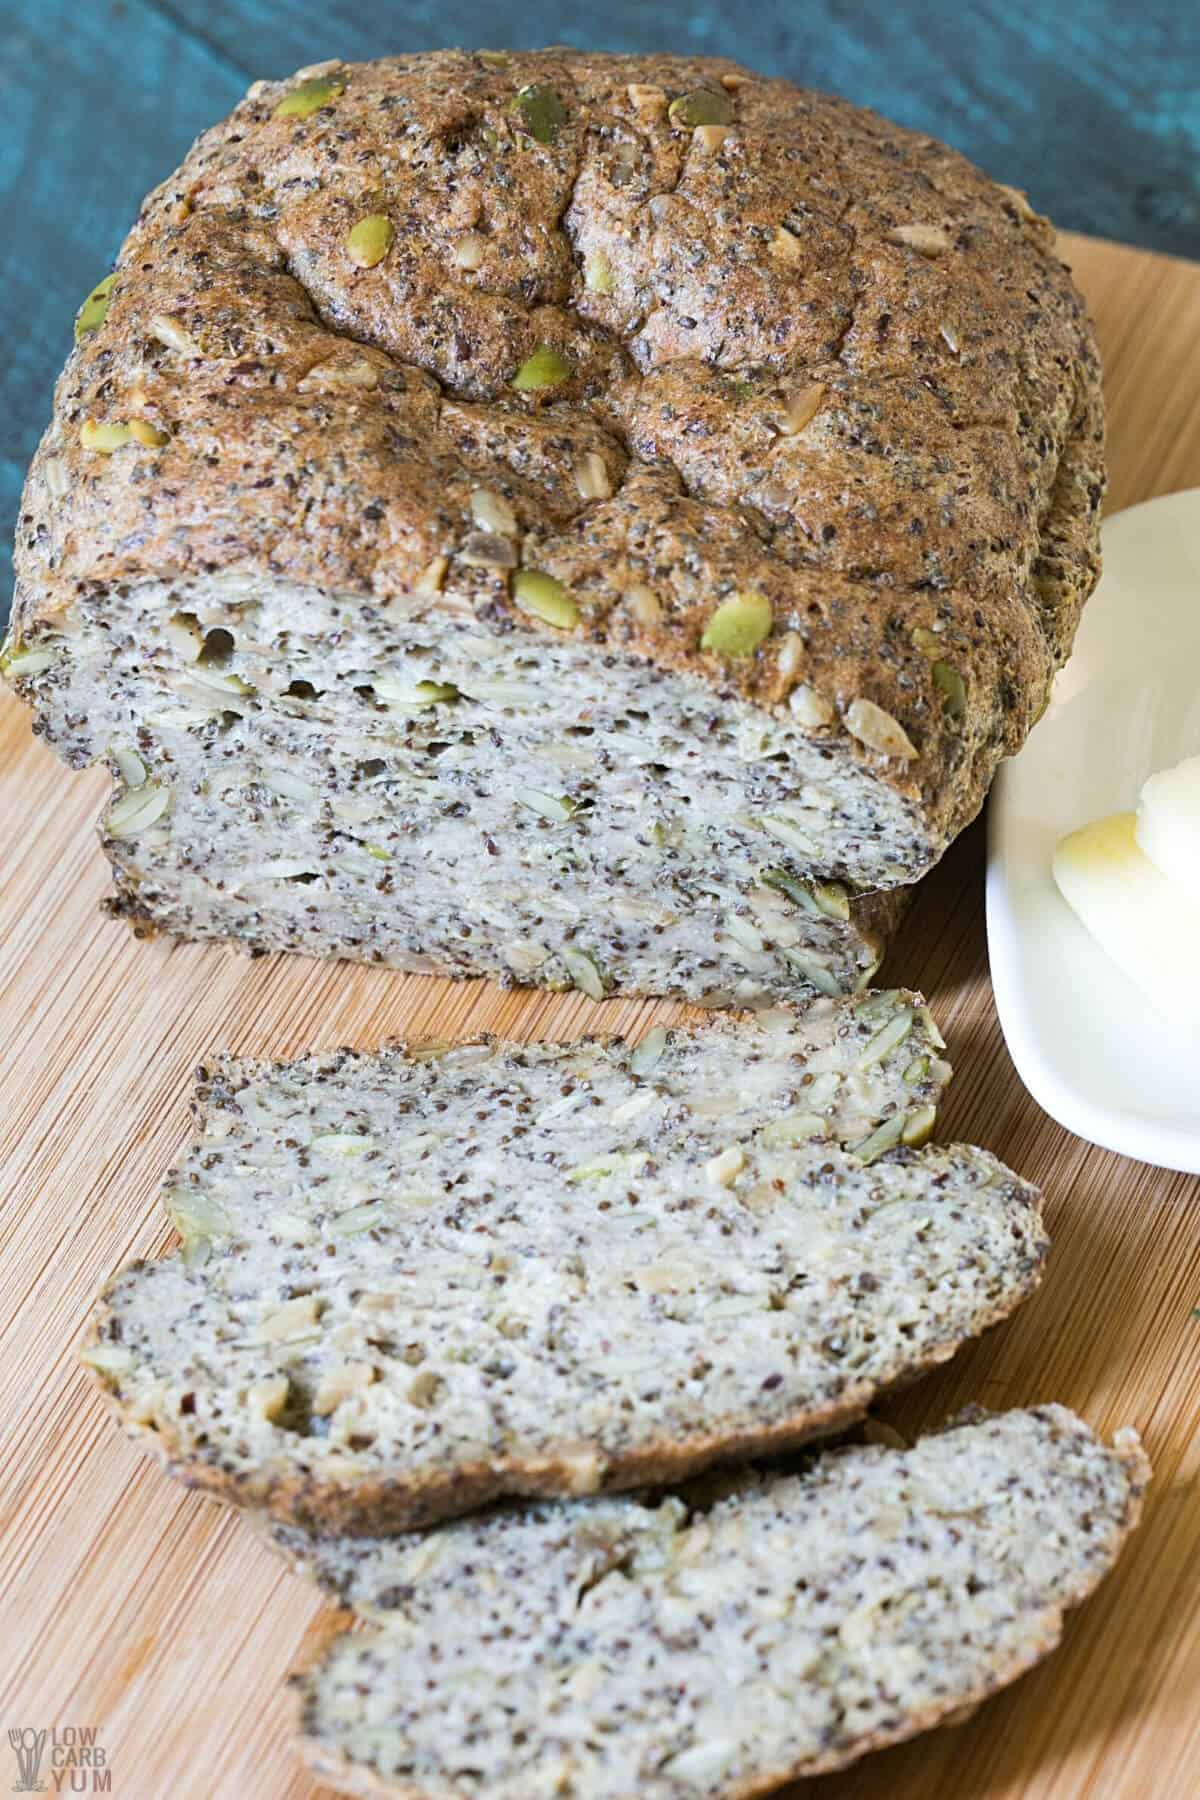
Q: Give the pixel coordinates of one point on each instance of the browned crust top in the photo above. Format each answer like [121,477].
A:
[809,356]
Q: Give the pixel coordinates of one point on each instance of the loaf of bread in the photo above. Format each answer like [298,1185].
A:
[568,517]
[414,1282]
[713,1645]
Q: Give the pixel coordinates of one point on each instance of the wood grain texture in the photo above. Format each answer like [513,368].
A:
[156,1617]
[1092,105]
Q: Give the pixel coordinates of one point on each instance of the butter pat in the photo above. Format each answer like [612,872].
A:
[1168,825]
[1149,926]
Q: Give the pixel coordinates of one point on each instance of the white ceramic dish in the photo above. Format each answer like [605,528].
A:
[1087,1045]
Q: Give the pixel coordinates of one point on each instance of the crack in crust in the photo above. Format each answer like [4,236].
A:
[327,423]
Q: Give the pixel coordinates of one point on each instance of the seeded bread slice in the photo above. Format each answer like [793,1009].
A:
[414,1282]
[676,1650]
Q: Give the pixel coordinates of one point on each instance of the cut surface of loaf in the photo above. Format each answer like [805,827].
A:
[414,1282]
[679,1648]
[503,512]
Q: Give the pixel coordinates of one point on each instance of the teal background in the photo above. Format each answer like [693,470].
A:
[1094,107]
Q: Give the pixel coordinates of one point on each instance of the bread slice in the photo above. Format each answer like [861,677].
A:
[414,1282]
[674,1650]
[654,508]
[492,807]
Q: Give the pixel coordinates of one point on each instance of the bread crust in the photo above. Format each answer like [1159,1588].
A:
[326,423]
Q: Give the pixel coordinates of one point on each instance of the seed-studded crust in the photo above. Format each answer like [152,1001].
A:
[351,1777]
[811,357]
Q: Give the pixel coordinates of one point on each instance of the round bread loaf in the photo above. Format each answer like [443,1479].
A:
[712,460]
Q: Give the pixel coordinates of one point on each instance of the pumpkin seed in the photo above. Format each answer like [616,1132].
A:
[743,933]
[884,1137]
[778,825]
[136,811]
[951,684]
[310,97]
[701,107]
[367,1217]
[791,1129]
[815,973]
[649,1051]
[832,899]
[103,439]
[597,274]
[545,368]
[798,892]
[199,1219]
[890,1038]
[368,242]
[94,310]
[542,113]
[130,766]
[918,1126]
[584,972]
[16,661]
[143,432]
[739,626]
[865,973]
[931,1031]
[540,594]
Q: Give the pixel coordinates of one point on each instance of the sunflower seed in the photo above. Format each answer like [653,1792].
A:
[878,730]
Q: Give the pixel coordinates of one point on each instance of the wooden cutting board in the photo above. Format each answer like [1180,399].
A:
[155,1618]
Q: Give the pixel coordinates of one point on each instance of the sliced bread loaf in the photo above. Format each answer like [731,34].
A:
[413,1282]
[490,518]
[673,1649]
